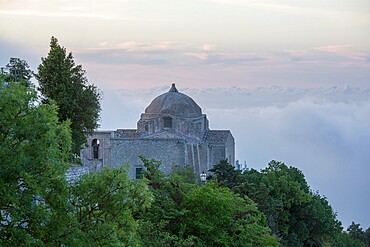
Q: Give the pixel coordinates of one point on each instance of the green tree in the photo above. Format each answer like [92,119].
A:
[367,236]
[284,193]
[37,207]
[160,224]
[343,239]
[104,206]
[185,213]
[65,83]
[355,231]
[3,75]
[314,222]
[33,149]
[226,174]
[19,71]
[218,217]
[295,214]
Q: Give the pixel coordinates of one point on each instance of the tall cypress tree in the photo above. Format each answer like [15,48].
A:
[64,82]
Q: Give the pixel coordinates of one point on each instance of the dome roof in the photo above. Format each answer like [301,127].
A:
[175,104]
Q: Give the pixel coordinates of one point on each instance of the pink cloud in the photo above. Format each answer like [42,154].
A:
[133,46]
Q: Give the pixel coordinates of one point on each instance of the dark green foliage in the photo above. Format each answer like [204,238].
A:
[217,217]
[355,232]
[184,213]
[295,214]
[160,224]
[226,174]
[343,239]
[104,204]
[65,83]
[3,76]
[19,71]
[33,151]
[36,207]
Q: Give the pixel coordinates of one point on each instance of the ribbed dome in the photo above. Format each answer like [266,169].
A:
[175,104]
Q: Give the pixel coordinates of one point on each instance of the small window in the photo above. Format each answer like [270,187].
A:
[146,127]
[139,171]
[95,148]
[167,122]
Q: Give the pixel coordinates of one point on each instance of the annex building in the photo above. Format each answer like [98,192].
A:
[172,129]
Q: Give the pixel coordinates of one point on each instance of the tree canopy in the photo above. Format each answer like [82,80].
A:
[19,71]
[37,206]
[359,235]
[187,213]
[33,152]
[104,205]
[297,215]
[64,82]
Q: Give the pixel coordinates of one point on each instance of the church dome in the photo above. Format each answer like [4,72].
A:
[175,104]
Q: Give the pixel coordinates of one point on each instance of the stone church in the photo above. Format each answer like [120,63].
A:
[172,129]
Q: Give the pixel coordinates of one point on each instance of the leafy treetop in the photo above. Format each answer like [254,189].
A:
[64,82]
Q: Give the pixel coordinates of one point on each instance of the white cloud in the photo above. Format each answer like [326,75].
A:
[326,140]
[208,47]
[133,46]
[113,10]
[333,55]
[329,9]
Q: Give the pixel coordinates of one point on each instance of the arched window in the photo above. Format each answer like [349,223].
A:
[167,122]
[95,148]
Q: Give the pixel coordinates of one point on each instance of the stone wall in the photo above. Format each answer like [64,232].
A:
[191,127]
[75,172]
[230,150]
[104,157]
[217,153]
[167,147]
[169,151]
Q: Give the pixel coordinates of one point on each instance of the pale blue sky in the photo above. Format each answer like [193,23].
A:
[291,79]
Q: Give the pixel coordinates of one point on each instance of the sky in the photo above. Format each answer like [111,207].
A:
[290,79]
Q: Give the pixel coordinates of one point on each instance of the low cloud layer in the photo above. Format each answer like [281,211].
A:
[325,132]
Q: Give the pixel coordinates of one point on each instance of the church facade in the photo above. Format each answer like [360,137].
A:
[172,129]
